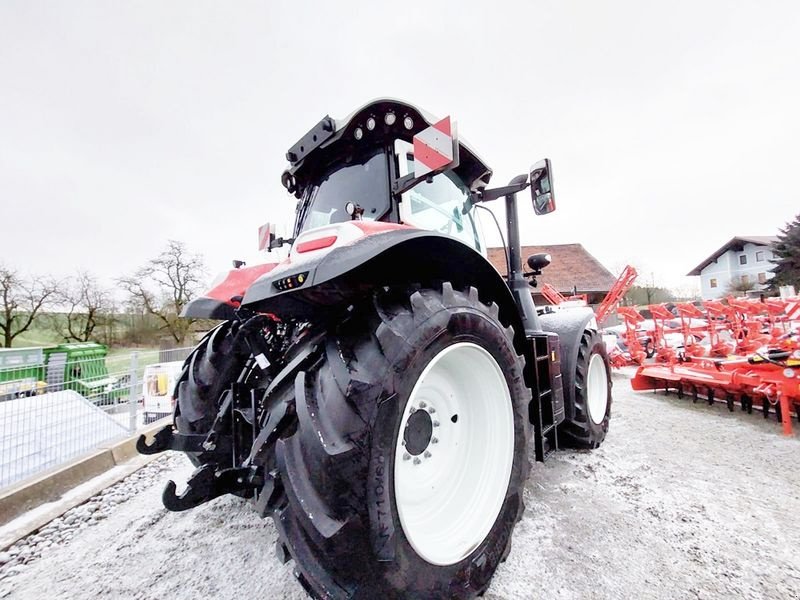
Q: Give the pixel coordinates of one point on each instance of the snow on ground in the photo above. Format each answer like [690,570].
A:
[681,501]
[43,431]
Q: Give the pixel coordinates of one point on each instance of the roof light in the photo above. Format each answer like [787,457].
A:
[370,123]
[390,118]
[359,133]
[408,122]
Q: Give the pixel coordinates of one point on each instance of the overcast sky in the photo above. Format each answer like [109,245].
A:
[672,126]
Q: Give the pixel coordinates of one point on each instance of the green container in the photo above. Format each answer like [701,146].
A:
[20,371]
[19,363]
[78,366]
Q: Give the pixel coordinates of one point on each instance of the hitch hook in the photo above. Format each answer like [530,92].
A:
[161,441]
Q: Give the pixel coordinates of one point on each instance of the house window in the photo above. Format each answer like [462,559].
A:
[743,259]
[760,256]
[762,278]
[745,279]
[712,283]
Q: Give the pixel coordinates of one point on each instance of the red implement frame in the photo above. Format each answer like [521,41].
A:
[745,379]
[758,364]
[552,295]
[632,318]
[616,293]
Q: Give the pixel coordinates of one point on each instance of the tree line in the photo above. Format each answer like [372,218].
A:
[142,308]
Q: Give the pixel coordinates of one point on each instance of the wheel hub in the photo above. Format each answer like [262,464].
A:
[418,432]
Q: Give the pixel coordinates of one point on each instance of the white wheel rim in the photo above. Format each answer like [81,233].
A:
[449,496]
[597,389]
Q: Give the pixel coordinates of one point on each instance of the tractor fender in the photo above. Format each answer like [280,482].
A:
[398,256]
[222,300]
[569,324]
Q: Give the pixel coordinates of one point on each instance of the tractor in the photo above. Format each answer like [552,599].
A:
[381,391]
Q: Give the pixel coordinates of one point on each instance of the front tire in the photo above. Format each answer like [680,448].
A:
[592,400]
[405,473]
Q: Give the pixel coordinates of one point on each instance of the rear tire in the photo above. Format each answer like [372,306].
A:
[592,401]
[359,463]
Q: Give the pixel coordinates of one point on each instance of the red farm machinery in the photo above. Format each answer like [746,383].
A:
[739,351]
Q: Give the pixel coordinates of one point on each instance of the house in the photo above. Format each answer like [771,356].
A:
[572,270]
[743,260]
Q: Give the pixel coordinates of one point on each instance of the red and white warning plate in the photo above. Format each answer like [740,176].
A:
[263,236]
[433,148]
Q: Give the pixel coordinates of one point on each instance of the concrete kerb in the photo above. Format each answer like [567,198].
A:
[49,495]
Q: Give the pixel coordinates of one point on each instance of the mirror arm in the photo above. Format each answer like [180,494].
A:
[492,194]
[501,192]
[520,288]
[277,242]
[406,182]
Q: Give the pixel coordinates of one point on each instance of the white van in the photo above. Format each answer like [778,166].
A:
[158,385]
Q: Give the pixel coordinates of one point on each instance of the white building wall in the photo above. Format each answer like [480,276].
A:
[728,268]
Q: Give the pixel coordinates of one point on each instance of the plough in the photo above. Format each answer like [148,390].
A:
[617,357]
[746,352]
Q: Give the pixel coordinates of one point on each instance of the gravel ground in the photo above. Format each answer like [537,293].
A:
[682,501]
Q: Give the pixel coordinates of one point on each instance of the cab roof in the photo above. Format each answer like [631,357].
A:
[330,139]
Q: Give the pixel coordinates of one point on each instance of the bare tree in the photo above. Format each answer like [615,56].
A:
[22,301]
[89,309]
[165,285]
[739,285]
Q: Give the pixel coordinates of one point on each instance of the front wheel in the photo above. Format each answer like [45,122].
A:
[592,399]
[404,475]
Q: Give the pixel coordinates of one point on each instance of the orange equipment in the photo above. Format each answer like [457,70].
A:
[772,378]
[616,293]
[552,295]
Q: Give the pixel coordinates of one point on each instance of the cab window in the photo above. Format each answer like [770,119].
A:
[364,182]
[438,205]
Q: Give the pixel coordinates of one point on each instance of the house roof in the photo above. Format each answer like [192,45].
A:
[736,243]
[571,267]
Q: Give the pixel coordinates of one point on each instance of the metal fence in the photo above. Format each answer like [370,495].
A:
[56,407]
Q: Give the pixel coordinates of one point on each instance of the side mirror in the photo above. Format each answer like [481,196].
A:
[541,179]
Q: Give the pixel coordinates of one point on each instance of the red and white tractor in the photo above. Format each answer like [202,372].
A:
[381,392]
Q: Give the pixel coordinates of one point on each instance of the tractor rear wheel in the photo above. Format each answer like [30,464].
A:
[592,397]
[405,472]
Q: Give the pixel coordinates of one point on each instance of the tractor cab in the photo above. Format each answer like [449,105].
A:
[363,167]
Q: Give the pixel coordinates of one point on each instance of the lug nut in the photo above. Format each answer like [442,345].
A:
[436,423]
[434,440]
[417,461]
[406,456]
[427,454]
[431,410]
[422,405]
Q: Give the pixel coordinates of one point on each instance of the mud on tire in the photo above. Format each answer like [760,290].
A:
[341,523]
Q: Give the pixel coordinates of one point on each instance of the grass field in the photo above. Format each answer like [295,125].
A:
[37,337]
[44,333]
